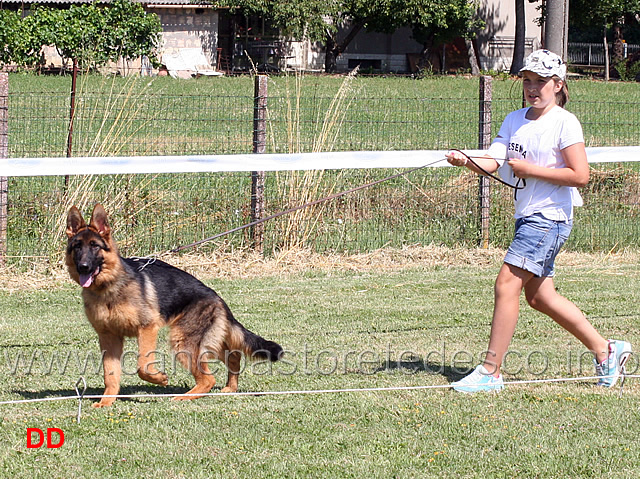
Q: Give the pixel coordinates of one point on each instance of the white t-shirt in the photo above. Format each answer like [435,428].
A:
[539,142]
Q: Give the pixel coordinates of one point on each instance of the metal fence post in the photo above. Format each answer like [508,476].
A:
[259,146]
[72,116]
[4,153]
[484,141]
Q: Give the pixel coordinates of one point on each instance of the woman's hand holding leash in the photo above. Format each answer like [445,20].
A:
[486,165]
[456,158]
[521,169]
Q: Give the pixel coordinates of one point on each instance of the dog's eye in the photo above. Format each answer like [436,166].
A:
[94,245]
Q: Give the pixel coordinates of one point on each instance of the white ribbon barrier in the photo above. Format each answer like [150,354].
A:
[264,162]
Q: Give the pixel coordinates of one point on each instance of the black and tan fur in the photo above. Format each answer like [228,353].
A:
[125,297]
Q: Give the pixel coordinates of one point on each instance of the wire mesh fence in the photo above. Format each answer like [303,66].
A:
[154,213]
[106,124]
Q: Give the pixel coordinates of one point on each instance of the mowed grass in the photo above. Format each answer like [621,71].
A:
[421,320]
[342,328]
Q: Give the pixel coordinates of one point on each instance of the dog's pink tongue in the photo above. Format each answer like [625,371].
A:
[86,280]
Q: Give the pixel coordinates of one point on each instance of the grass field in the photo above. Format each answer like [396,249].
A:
[386,318]
[416,316]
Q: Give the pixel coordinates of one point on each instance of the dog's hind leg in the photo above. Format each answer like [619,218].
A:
[232,361]
[147,339]
[199,368]
[204,382]
[112,347]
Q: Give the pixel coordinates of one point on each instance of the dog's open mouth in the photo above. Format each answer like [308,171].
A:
[86,280]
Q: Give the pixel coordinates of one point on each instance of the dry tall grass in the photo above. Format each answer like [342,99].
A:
[119,118]
[245,263]
[305,186]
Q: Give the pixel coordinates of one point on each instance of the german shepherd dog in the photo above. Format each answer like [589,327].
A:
[127,297]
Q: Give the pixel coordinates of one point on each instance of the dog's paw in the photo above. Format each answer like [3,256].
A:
[163,379]
[157,377]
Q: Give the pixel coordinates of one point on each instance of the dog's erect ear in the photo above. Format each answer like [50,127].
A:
[99,221]
[75,222]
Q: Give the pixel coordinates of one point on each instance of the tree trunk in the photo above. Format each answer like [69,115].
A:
[618,43]
[520,37]
[335,49]
[473,60]
[617,55]
[606,56]
[331,55]
[429,62]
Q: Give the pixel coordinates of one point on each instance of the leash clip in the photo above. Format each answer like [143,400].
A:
[150,260]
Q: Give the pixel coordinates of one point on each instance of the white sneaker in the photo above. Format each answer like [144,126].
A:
[609,370]
[479,380]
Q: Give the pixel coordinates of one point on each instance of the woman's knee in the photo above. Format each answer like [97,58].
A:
[511,280]
[540,298]
[535,300]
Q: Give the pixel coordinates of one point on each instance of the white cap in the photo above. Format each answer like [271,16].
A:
[545,64]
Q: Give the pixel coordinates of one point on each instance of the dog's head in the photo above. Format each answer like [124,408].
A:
[88,246]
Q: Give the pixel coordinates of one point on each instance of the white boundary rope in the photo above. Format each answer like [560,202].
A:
[79,396]
[263,162]
[294,392]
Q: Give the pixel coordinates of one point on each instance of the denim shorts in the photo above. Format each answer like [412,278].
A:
[536,244]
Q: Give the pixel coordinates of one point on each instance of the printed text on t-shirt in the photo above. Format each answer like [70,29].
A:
[518,148]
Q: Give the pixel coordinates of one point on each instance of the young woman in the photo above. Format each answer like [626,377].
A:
[543,145]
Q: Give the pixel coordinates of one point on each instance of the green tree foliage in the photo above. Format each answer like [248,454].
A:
[608,15]
[74,32]
[432,21]
[9,33]
[130,31]
[86,33]
[601,13]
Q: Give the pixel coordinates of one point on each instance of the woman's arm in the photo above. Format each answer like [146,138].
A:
[458,159]
[575,172]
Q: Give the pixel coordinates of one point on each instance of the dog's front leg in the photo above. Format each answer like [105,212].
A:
[111,346]
[147,339]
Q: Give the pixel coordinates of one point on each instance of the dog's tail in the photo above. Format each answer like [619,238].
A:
[256,347]
[251,344]
[221,336]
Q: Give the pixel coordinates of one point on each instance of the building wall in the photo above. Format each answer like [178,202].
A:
[182,28]
[189,28]
[194,27]
[495,42]
[304,56]
[381,52]
[392,53]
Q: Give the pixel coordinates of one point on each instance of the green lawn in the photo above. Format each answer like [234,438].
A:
[412,317]
[391,318]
